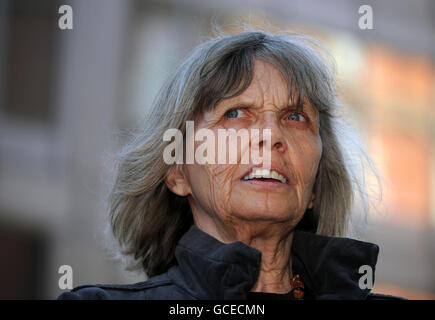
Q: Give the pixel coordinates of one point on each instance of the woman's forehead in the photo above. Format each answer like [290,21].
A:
[268,86]
[256,97]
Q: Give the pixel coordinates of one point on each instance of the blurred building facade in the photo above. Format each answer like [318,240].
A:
[66,96]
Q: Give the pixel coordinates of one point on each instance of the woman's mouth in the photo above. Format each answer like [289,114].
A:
[265,175]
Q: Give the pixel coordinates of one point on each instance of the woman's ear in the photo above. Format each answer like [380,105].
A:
[177,182]
[311,203]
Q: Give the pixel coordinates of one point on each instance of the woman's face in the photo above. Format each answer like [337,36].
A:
[220,192]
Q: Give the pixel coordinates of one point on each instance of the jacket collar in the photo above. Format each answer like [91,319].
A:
[329,266]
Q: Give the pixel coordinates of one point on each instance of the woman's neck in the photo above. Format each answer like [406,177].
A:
[275,271]
[274,240]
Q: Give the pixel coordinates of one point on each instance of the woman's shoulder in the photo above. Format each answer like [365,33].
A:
[153,288]
[381,296]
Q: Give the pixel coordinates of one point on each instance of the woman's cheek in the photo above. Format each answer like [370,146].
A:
[221,180]
[304,156]
[313,155]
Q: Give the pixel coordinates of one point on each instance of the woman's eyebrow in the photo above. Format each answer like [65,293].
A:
[303,104]
[235,104]
[295,106]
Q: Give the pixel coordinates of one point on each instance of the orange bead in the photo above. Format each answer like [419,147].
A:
[298,284]
[298,294]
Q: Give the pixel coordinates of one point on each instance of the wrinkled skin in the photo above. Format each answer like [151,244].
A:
[259,215]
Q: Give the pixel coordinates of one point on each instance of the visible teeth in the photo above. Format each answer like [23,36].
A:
[265,173]
[258,173]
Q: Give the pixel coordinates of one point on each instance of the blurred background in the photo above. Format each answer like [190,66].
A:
[66,97]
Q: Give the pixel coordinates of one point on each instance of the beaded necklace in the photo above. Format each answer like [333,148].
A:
[297,287]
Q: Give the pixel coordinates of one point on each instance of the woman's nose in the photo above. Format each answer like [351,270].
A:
[276,140]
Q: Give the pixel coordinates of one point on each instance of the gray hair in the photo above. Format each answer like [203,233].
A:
[147,220]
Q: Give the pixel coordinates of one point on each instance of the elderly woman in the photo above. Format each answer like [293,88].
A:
[269,227]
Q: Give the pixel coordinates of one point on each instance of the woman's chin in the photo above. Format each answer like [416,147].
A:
[258,214]
[264,185]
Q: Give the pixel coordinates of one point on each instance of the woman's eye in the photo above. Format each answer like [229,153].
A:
[295,116]
[233,113]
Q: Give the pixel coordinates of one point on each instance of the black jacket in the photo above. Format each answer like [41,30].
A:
[209,269]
